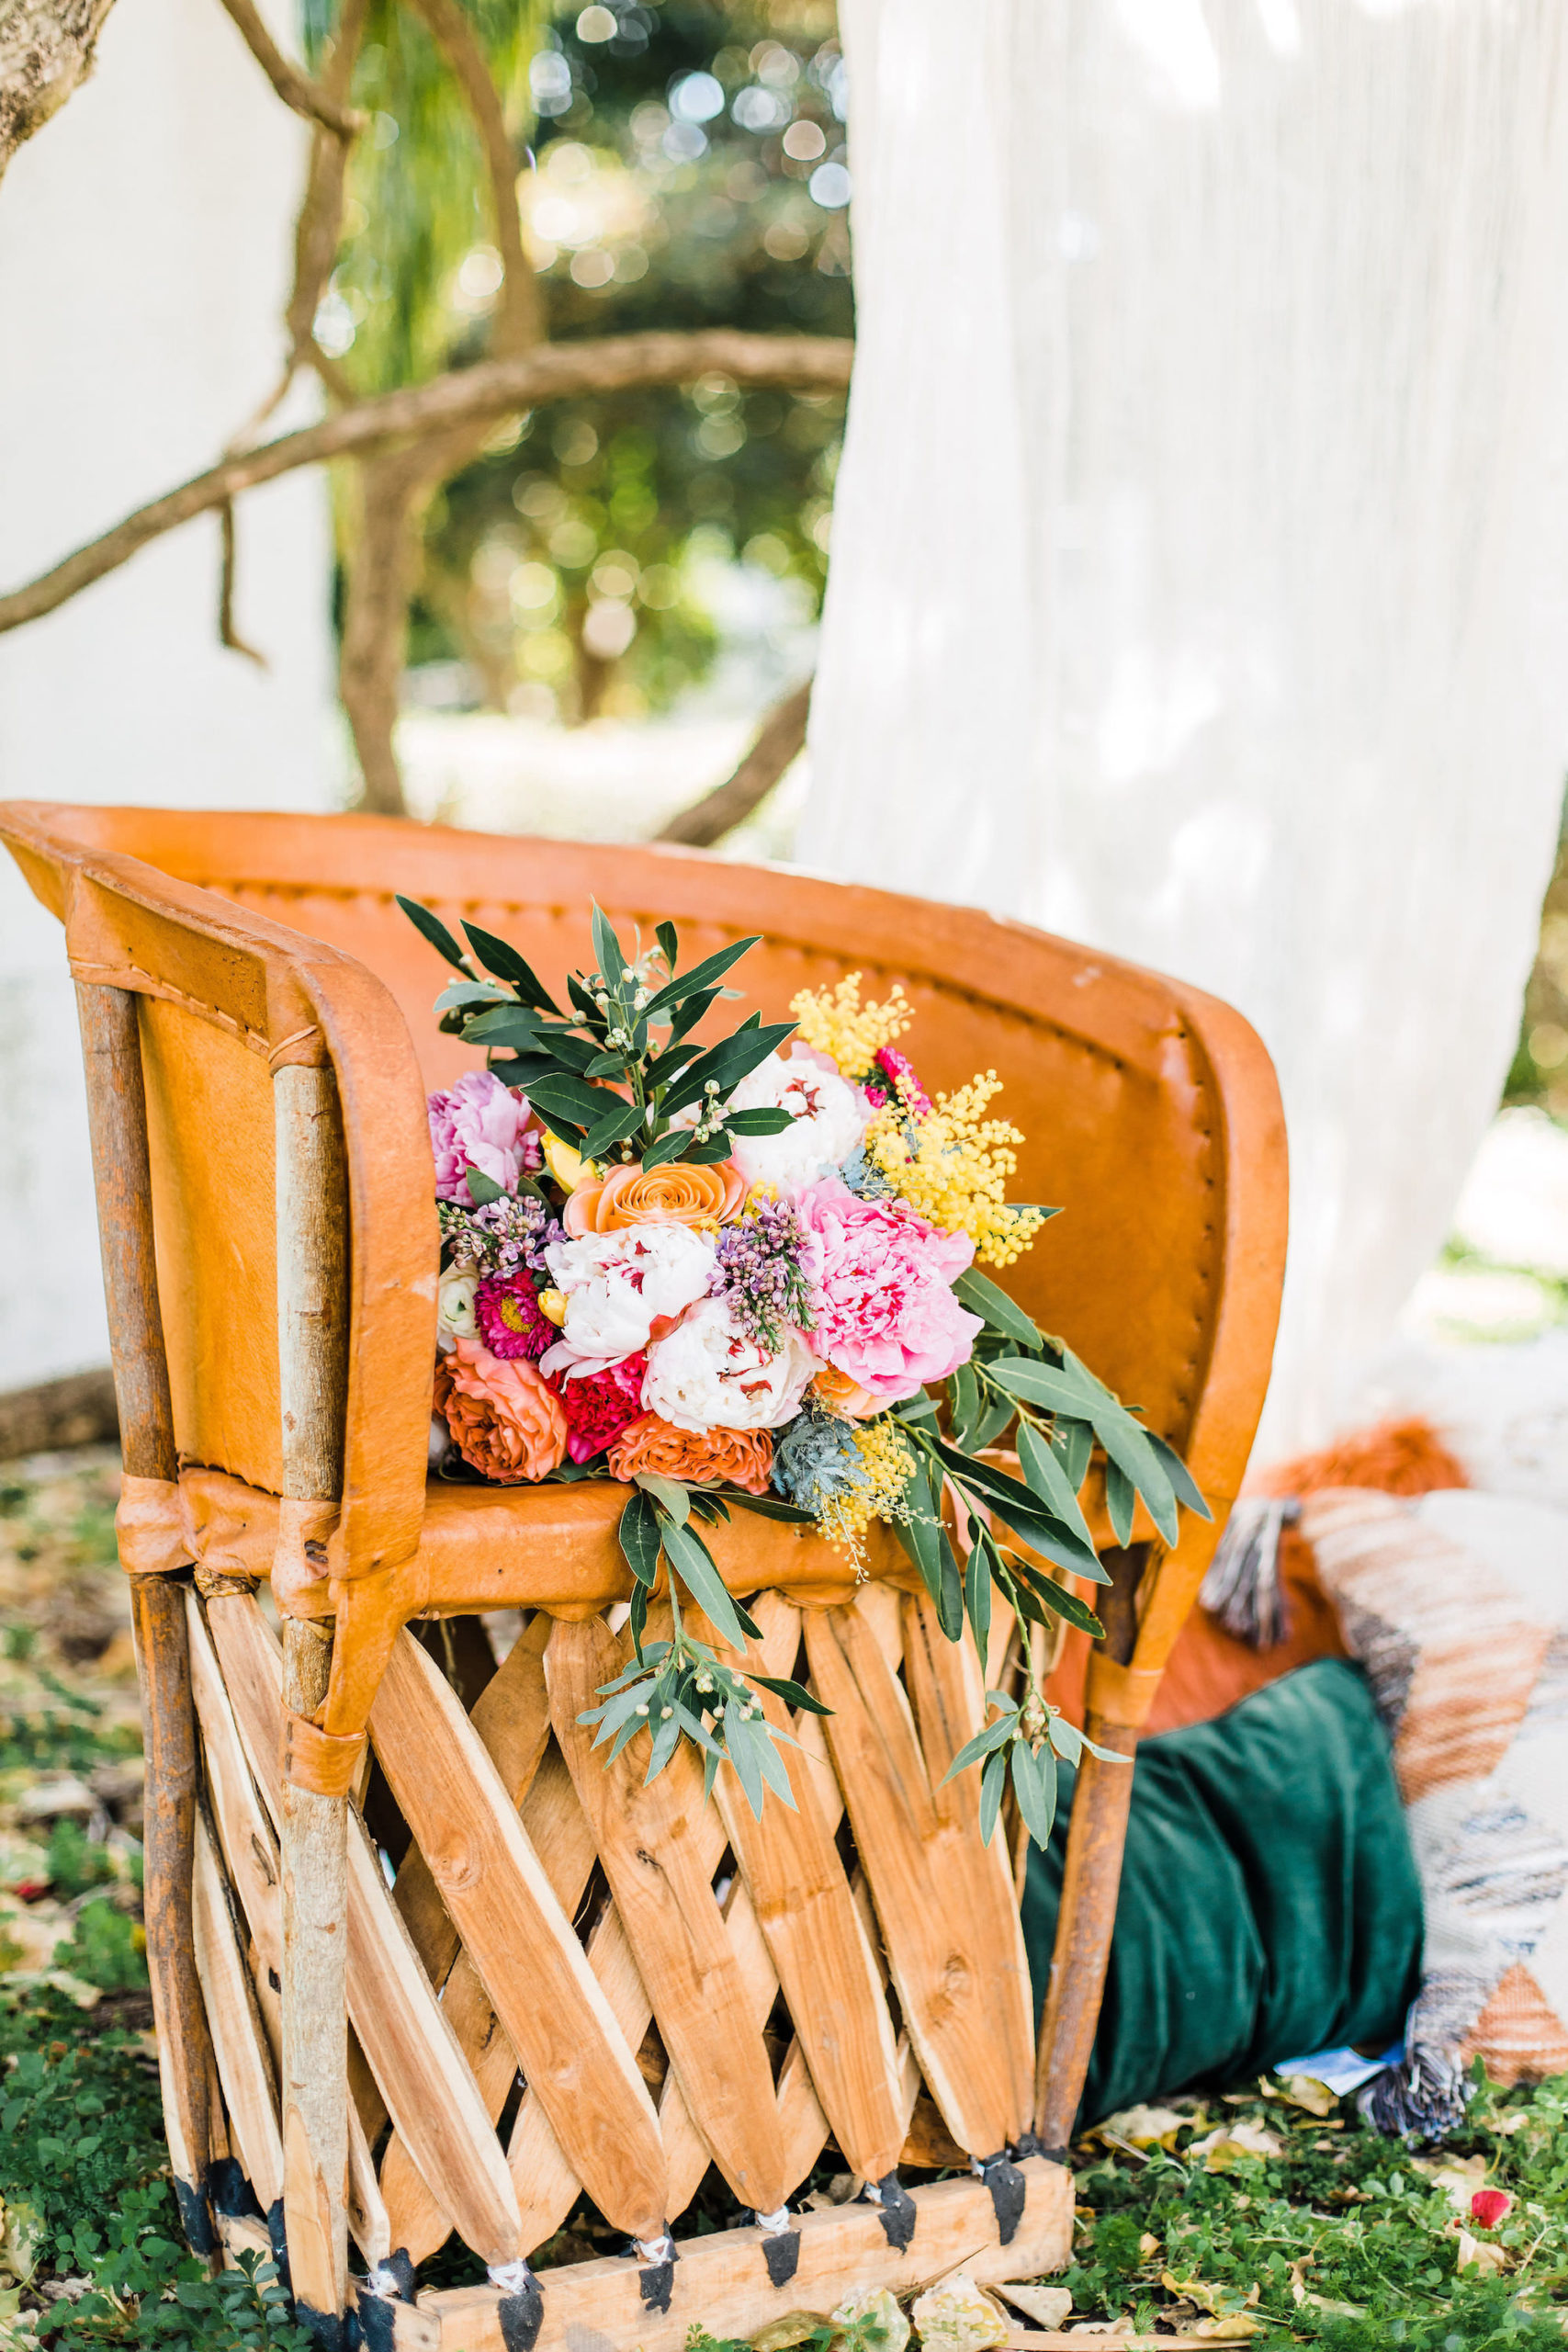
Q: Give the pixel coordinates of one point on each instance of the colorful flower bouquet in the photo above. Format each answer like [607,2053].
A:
[743,1273]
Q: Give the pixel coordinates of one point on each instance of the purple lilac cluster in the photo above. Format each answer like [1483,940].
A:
[759,1272]
[505,1235]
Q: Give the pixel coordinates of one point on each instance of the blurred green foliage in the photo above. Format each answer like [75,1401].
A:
[1539,1072]
[682,165]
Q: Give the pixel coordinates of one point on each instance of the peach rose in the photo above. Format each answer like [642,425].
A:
[504,1417]
[744,1457]
[845,1396]
[676,1194]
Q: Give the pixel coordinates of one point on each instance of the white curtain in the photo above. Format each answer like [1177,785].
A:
[1200,576]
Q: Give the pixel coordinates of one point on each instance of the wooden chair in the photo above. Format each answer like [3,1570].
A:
[678,1983]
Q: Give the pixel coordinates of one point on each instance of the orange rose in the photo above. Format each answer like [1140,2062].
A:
[744,1457]
[845,1396]
[504,1417]
[676,1194]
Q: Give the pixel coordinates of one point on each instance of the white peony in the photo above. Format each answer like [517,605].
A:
[617,1285]
[707,1374]
[455,1309]
[830,1120]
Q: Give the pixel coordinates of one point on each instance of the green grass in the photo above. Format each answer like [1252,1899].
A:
[1341,2218]
[83,2174]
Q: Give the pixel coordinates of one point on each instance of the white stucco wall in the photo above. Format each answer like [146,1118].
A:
[144,253]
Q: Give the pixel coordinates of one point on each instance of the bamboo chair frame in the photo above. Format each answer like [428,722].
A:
[304,2009]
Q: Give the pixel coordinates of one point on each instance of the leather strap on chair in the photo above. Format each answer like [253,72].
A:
[314,1760]
[149,1527]
[299,1571]
[1120,1694]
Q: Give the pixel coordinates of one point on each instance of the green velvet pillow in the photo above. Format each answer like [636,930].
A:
[1270,1901]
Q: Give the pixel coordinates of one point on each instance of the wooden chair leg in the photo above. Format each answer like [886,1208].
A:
[312,1322]
[1091,1880]
[117,1113]
[1089,1884]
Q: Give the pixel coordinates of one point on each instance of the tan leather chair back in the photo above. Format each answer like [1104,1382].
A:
[1150,1110]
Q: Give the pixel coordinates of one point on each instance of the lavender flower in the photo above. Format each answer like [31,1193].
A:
[505,1235]
[758,1271]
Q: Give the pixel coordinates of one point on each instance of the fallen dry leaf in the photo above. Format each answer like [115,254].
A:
[1229,2143]
[1047,2306]
[1476,2254]
[1208,2297]
[1303,2091]
[1143,2127]
[1457,2178]
[1300,2293]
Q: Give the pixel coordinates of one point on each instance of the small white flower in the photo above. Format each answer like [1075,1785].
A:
[709,1373]
[829,1114]
[456,1318]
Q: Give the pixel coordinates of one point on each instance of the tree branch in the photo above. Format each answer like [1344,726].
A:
[780,737]
[228,635]
[496,388]
[295,88]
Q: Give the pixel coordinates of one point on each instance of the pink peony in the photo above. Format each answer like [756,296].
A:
[481,1123]
[881,1281]
[506,1308]
[599,1404]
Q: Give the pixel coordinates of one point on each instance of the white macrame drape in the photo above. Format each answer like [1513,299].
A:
[1200,582]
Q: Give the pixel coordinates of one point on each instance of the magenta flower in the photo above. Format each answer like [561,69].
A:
[506,1307]
[894,1072]
[881,1284]
[483,1124]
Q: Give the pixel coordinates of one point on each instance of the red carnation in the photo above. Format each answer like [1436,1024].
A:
[598,1405]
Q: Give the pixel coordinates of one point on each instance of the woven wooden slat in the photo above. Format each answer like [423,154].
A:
[559,1834]
[660,1867]
[520,1940]
[806,1915]
[801,2118]
[238,2038]
[511,1716]
[931,1886]
[422,2073]
[948,1694]
[547,2185]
